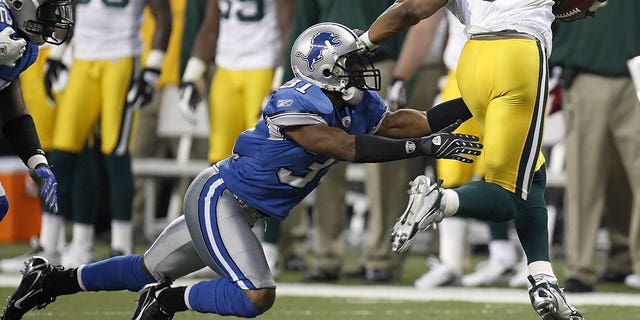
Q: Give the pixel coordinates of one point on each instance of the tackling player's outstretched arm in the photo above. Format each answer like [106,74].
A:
[368,148]
[324,139]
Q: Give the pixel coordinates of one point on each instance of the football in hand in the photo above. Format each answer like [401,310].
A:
[570,10]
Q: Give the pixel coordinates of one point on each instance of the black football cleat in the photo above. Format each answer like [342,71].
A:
[148,307]
[30,293]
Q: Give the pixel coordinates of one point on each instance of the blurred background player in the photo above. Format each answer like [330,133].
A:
[105,88]
[243,39]
[601,113]
[147,143]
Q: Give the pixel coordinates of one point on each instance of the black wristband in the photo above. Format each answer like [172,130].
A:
[446,113]
[372,148]
[21,134]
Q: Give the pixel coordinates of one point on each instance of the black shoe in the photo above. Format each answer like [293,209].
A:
[148,307]
[380,275]
[609,275]
[30,293]
[576,286]
[320,275]
[294,262]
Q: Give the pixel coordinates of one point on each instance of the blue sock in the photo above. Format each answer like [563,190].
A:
[117,273]
[222,297]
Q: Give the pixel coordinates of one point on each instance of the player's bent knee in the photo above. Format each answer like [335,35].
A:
[262,299]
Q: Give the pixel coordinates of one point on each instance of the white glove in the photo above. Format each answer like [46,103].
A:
[10,49]
[56,72]
[396,95]
[366,42]
[142,89]
[189,96]
[144,84]
[188,101]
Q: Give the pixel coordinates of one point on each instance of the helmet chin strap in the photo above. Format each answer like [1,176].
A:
[352,95]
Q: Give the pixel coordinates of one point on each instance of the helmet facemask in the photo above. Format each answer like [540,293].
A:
[51,21]
[357,70]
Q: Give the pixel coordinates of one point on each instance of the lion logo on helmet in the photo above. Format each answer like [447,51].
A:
[319,43]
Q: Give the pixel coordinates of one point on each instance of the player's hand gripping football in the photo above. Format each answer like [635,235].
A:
[448,145]
[10,49]
[141,91]
[572,10]
[45,179]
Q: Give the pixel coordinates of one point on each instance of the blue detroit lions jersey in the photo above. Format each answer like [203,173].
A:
[8,74]
[272,172]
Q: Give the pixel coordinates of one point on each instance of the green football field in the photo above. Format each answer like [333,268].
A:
[119,305]
[354,299]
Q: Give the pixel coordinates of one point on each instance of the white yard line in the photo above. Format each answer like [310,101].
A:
[490,295]
[376,292]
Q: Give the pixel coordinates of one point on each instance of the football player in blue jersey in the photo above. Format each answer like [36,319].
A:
[24,26]
[327,113]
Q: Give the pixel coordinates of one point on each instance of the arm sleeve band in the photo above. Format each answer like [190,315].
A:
[371,148]
[446,113]
[21,134]
[155,59]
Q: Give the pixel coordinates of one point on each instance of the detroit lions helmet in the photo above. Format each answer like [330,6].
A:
[330,56]
[42,21]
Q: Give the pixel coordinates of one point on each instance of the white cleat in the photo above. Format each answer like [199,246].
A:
[439,275]
[74,256]
[519,280]
[489,273]
[16,264]
[632,281]
[422,211]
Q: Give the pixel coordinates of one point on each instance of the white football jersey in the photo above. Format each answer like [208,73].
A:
[455,41]
[249,37]
[533,17]
[108,29]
